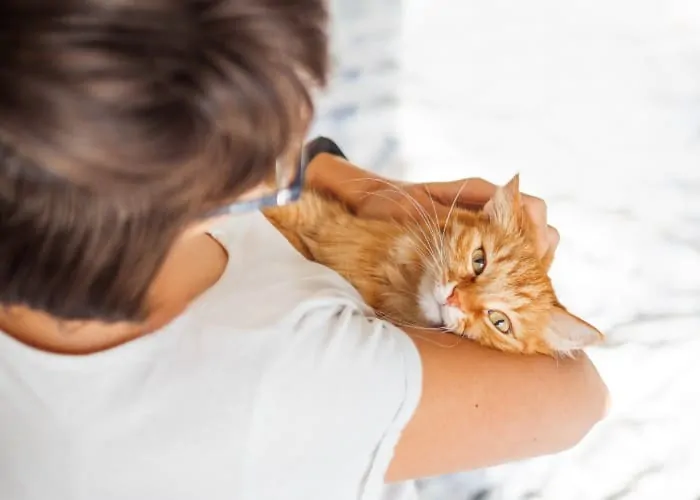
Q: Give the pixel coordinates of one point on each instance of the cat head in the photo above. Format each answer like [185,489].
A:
[488,283]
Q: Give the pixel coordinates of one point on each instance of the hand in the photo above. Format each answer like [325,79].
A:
[371,196]
[400,201]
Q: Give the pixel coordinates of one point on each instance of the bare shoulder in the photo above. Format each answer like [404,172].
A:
[482,407]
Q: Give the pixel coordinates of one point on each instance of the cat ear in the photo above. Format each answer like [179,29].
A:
[505,206]
[567,333]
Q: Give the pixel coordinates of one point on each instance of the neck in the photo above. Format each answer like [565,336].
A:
[192,267]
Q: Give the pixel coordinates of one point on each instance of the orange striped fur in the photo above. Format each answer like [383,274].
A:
[428,274]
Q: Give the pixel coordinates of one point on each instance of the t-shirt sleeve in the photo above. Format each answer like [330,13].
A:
[335,398]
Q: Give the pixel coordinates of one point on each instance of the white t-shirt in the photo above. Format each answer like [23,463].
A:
[275,384]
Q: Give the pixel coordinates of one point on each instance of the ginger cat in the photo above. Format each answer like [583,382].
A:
[475,274]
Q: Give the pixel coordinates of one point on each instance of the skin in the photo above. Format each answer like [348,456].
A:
[482,407]
[478,407]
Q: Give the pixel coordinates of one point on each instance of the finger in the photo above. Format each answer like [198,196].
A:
[475,192]
[434,209]
[536,210]
[553,240]
[472,191]
[442,212]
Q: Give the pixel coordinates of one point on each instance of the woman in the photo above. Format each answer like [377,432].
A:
[155,346]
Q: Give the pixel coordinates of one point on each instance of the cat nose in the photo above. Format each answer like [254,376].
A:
[453,299]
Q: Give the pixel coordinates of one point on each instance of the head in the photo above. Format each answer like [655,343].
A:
[491,285]
[124,123]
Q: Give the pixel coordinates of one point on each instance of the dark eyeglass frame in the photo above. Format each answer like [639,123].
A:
[283,195]
[292,192]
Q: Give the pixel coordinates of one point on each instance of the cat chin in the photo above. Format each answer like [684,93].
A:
[428,304]
[431,304]
[452,318]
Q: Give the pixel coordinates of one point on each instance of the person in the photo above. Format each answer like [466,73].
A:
[159,339]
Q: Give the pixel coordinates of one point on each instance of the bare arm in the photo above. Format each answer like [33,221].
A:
[479,407]
[482,407]
[395,199]
[342,179]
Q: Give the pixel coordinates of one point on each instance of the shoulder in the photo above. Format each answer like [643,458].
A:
[266,280]
[338,389]
[328,378]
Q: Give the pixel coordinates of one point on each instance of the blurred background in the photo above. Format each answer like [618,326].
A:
[597,104]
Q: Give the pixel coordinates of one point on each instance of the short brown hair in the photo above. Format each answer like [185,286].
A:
[122,121]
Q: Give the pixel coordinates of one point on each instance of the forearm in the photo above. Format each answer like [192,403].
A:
[340,178]
[482,407]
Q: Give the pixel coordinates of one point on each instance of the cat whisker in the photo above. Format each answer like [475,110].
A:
[419,208]
[431,247]
[452,208]
[433,225]
[390,319]
[439,344]
[419,245]
[409,294]
[437,225]
[434,257]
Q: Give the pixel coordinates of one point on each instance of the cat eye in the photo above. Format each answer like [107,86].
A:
[479,261]
[500,321]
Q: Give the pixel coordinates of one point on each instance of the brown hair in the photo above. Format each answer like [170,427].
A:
[122,121]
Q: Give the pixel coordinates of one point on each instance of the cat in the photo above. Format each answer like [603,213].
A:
[474,274]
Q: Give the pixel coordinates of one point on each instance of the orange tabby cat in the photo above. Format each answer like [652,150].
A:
[475,274]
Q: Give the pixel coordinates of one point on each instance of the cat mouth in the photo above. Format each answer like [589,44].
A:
[444,316]
[447,323]
[433,304]
[435,314]
[450,316]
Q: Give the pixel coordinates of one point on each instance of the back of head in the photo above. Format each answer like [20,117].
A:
[123,121]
